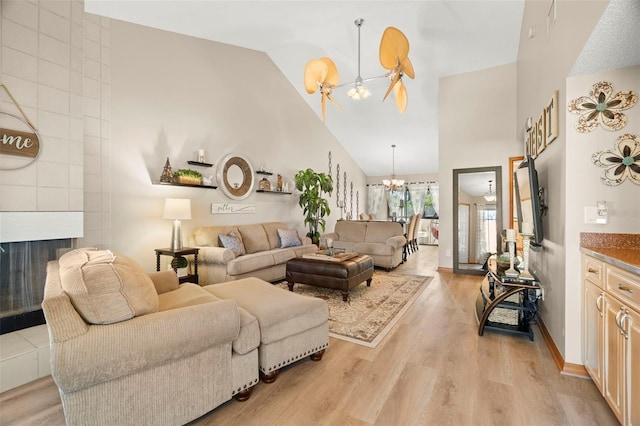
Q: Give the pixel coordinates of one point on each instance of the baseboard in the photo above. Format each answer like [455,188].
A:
[576,370]
[441,269]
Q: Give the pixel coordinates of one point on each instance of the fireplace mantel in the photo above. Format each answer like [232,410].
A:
[34,226]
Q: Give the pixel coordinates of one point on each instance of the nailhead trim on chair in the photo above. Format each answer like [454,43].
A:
[296,358]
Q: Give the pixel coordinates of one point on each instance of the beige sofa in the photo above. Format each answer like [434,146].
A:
[264,257]
[130,347]
[383,241]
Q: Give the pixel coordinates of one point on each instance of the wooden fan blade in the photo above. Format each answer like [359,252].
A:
[400,93]
[394,48]
[332,77]
[407,68]
[315,73]
[324,107]
[334,101]
[394,80]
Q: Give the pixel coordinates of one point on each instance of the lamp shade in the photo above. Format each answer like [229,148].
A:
[177,208]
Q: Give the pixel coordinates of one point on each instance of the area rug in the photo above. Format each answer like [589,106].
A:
[370,312]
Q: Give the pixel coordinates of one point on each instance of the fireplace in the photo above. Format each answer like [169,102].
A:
[23,269]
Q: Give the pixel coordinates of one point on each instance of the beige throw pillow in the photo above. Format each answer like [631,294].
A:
[105,288]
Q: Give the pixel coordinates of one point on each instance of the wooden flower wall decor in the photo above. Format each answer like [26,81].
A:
[621,162]
[602,107]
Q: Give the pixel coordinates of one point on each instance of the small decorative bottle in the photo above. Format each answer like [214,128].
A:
[280,182]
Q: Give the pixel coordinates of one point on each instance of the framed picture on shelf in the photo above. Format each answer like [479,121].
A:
[551,119]
[540,134]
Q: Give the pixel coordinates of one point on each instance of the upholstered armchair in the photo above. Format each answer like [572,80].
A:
[129,347]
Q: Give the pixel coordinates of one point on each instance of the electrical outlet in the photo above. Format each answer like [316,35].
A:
[447,253]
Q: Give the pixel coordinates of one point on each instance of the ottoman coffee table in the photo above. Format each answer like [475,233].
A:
[343,274]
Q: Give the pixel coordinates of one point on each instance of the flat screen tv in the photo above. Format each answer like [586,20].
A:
[528,199]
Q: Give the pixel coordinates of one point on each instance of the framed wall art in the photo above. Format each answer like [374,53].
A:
[551,119]
[540,134]
[533,141]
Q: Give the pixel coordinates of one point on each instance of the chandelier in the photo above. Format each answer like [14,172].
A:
[393,184]
[491,195]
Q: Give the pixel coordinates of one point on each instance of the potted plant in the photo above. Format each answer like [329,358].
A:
[188,176]
[312,185]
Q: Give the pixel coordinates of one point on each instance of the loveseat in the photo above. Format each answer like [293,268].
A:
[257,250]
[382,240]
[129,347]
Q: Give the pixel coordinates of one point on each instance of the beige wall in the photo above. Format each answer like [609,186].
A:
[174,94]
[477,115]
[543,66]
[584,188]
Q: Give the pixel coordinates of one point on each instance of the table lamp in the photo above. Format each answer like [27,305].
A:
[177,209]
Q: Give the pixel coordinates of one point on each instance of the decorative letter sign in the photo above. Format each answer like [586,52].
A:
[14,142]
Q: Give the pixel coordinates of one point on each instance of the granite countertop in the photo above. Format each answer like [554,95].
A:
[621,250]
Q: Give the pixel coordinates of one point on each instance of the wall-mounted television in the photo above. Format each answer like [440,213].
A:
[529,203]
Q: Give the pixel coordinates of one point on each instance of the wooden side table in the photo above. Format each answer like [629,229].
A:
[192,278]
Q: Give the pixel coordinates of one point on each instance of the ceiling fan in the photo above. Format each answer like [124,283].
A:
[323,74]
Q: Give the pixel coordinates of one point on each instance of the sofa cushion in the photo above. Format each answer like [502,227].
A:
[254,238]
[105,288]
[379,232]
[271,229]
[374,249]
[187,294]
[280,313]
[349,230]
[288,238]
[232,242]
[250,262]
[208,235]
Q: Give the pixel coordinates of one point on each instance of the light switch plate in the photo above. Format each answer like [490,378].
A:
[591,216]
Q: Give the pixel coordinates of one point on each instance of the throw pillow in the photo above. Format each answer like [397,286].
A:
[105,288]
[232,242]
[288,238]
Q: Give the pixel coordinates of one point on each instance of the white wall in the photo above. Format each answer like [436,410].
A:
[477,112]
[174,94]
[54,61]
[543,65]
[584,188]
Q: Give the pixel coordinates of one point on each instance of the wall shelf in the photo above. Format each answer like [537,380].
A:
[185,184]
[262,172]
[198,163]
[273,192]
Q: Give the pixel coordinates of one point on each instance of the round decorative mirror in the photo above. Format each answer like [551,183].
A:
[235,176]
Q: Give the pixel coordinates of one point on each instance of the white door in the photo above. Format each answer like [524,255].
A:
[463,233]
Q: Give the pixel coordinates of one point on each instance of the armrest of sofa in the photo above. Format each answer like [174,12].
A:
[106,352]
[219,255]
[397,241]
[164,281]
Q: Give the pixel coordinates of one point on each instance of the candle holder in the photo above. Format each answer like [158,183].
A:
[511,272]
[525,274]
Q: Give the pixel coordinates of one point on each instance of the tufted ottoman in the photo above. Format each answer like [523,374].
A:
[343,275]
[291,326]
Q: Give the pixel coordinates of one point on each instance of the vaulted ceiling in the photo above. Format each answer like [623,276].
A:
[446,38]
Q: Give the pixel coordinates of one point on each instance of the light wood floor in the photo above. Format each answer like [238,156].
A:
[432,369]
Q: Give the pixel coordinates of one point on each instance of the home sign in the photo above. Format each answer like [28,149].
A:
[15,142]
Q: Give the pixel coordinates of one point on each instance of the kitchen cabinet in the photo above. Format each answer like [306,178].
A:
[612,335]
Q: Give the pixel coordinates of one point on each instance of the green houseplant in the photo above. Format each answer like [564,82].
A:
[312,186]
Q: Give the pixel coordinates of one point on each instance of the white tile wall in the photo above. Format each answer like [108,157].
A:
[55,58]
[24,357]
